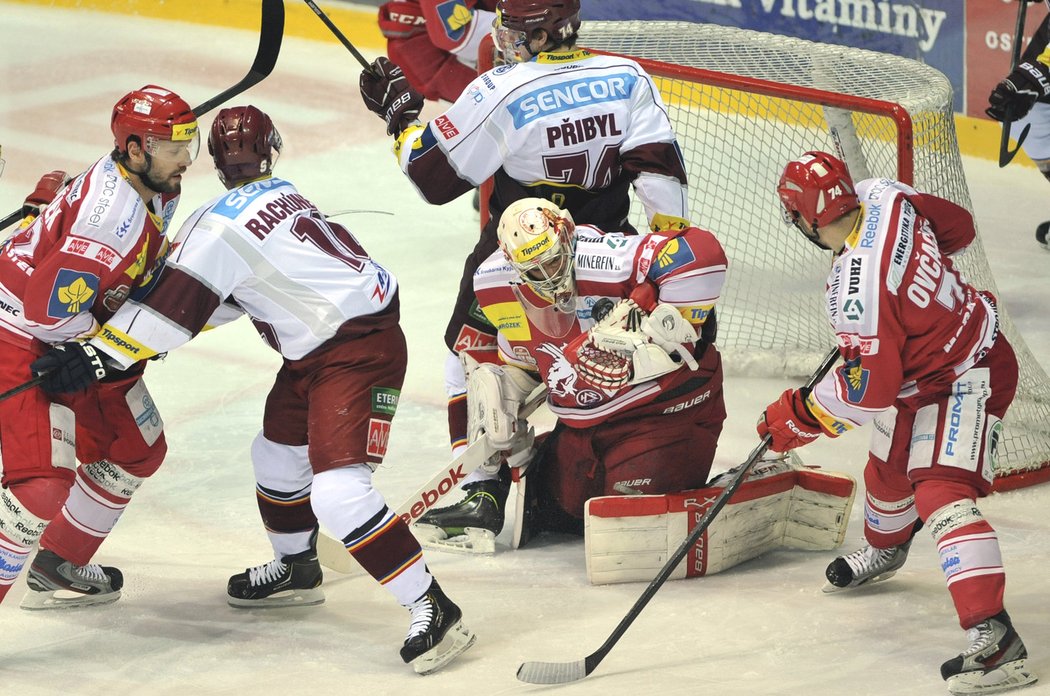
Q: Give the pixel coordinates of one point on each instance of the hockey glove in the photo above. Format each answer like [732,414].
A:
[385,91]
[69,367]
[46,190]
[788,422]
[1013,97]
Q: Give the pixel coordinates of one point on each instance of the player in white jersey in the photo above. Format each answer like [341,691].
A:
[101,240]
[332,312]
[555,122]
[917,337]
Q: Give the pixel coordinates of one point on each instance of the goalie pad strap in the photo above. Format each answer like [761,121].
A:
[629,538]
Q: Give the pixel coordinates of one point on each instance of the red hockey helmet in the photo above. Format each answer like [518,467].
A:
[517,19]
[816,188]
[243,143]
[152,114]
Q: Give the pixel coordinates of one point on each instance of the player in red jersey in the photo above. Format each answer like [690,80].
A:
[436,42]
[99,242]
[926,362]
[638,394]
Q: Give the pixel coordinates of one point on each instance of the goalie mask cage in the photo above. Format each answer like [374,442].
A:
[743,103]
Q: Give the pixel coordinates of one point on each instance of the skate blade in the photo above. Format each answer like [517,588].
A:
[1007,676]
[828,588]
[288,598]
[456,641]
[473,540]
[37,600]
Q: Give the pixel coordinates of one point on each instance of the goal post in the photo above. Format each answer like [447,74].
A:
[743,103]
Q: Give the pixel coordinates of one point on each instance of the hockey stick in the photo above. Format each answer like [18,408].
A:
[1006,155]
[339,35]
[565,672]
[331,552]
[271,31]
[23,387]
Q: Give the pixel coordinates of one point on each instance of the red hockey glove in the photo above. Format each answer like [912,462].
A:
[46,190]
[788,422]
[385,91]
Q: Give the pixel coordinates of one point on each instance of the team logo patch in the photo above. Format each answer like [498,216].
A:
[384,400]
[378,437]
[855,380]
[72,293]
[455,18]
[675,254]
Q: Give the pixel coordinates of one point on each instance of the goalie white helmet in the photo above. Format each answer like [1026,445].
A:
[537,238]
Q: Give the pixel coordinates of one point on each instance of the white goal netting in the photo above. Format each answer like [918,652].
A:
[743,104]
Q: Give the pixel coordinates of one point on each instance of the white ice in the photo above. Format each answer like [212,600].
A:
[761,628]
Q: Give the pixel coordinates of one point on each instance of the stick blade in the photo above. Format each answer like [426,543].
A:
[552,672]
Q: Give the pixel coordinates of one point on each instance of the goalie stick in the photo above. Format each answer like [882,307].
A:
[271,32]
[565,672]
[333,555]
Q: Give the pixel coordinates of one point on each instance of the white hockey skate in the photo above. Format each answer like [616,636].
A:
[55,583]
[996,660]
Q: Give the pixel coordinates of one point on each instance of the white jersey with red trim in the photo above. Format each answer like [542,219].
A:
[94,246]
[570,119]
[262,249]
[907,322]
[687,270]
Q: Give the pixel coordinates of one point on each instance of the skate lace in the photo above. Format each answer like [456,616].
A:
[868,558]
[266,573]
[91,572]
[981,638]
[422,616]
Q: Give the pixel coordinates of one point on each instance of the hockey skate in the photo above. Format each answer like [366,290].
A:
[292,581]
[865,566]
[1041,232]
[437,634]
[55,583]
[995,660]
[469,526]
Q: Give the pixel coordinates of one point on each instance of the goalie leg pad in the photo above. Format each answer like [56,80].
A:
[630,538]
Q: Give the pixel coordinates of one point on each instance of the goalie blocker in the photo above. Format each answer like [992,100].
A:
[780,505]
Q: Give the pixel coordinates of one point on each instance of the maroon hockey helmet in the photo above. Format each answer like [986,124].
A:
[151,114]
[817,188]
[517,19]
[244,144]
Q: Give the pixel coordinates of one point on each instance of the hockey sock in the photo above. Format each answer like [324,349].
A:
[283,482]
[345,502]
[889,510]
[968,548]
[25,509]
[96,501]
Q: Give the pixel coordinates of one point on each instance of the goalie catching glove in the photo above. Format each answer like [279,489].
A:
[630,346]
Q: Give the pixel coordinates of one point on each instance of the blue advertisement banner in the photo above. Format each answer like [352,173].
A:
[930,31]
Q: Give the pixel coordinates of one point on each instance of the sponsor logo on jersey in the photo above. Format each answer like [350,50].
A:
[583,313]
[378,437]
[581,130]
[382,287]
[901,250]
[475,94]
[445,126]
[696,315]
[123,343]
[10,309]
[475,313]
[106,196]
[234,203]
[595,262]
[384,400]
[487,81]
[674,254]
[90,249]
[863,346]
[853,309]
[566,96]
[509,319]
[827,421]
[500,69]
[586,397]
[72,293]
[873,214]
[855,380]
[472,338]
[455,18]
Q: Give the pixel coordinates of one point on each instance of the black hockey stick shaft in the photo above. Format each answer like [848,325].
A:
[556,673]
[339,35]
[271,32]
[22,387]
[1006,155]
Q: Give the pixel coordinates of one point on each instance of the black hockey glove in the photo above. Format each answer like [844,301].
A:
[69,367]
[1013,97]
[385,91]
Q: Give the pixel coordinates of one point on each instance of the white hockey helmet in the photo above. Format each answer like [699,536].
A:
[537,238]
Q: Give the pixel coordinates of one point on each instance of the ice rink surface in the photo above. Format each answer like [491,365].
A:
[761,628]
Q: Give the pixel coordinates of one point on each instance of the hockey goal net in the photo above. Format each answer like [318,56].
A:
[744,103]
